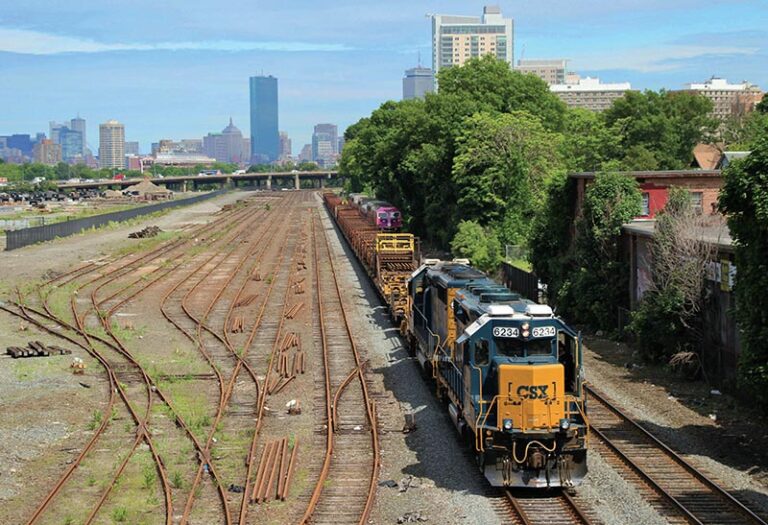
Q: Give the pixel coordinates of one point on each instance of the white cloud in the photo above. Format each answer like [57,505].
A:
[654,59]
[27,42]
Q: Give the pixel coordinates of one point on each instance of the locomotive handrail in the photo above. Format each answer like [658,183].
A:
[580,407]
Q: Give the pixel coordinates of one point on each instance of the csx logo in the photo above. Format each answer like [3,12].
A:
[530,391]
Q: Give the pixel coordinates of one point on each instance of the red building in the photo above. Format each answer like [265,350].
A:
[704,186]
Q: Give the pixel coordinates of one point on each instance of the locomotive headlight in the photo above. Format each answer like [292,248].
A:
[565,424]
[526,329]
[507,424]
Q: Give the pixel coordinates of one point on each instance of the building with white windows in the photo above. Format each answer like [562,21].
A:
[589,93]
[456,39]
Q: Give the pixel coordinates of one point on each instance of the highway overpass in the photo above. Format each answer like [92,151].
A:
[319,179]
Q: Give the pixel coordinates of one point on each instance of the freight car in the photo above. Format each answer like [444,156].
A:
[510,370]
[388,258]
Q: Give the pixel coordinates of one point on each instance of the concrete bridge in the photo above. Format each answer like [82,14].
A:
[318,179]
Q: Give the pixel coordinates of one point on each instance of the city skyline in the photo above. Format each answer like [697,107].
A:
[94,63]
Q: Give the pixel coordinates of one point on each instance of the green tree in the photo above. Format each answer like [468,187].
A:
[587,142]
[551,253]
[744,199]
[495,87]
[601,277]
[762,106]
[62,171]
[500,169]
[480,245]
[742,132]
[659,130]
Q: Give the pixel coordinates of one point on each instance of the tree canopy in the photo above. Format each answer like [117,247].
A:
[658,130]
[744,199]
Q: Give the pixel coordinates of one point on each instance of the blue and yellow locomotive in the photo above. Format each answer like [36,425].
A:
[510,369]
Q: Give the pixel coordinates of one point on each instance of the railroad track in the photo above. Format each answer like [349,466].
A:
[675,488]
[554,507]
[347,481]
[122,370]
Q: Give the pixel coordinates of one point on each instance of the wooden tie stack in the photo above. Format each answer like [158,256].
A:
[276,468]
[237,325]
[36,349]
[246,301]
[294,310]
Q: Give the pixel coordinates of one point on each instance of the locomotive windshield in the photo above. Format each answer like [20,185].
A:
[510,347]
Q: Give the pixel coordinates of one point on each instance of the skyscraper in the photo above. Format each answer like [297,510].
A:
[131,148]
[46,152]
[54,129]
[78,124]
[226,146]
[265,138]
[456,39]
[112,145]
[71,144]
[417,82]
[325,144]
[285,146]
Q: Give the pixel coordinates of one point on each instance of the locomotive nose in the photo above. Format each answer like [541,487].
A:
[532,396]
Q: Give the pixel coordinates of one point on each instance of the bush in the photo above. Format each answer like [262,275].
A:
[668,319]
[480,245]
[601,280]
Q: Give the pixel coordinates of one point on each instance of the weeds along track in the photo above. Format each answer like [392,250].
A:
[127,379]
[677,490]
[346,482]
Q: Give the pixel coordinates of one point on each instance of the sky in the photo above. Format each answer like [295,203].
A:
[179,68]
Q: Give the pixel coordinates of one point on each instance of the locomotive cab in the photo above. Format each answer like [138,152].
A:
[523,401]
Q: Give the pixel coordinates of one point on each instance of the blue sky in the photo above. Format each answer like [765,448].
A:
[179,68]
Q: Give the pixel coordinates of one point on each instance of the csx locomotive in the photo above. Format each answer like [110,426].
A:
[511,372]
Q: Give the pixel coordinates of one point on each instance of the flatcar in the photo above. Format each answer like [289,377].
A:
[511,372]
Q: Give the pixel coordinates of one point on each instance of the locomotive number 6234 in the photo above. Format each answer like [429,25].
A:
[505,331]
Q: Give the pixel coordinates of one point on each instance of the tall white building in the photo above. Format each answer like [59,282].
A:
[589,93]
[112,145]
[456,39]
[728,99]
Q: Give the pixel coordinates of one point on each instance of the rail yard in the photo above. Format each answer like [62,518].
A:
[249,365]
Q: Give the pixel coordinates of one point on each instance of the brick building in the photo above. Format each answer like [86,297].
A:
[704,186]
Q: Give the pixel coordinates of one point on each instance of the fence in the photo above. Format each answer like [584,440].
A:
[20,238]
[522,282]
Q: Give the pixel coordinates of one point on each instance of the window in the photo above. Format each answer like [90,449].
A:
[646,204]
[696,201]
[482,357]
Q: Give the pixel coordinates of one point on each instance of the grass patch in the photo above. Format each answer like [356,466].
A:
[120,514]
[96,419]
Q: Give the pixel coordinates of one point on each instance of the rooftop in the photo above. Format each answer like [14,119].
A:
[720,84]
[588,84]
[715,233]
[660,174]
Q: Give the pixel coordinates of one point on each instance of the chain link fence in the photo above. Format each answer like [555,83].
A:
[19,238]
